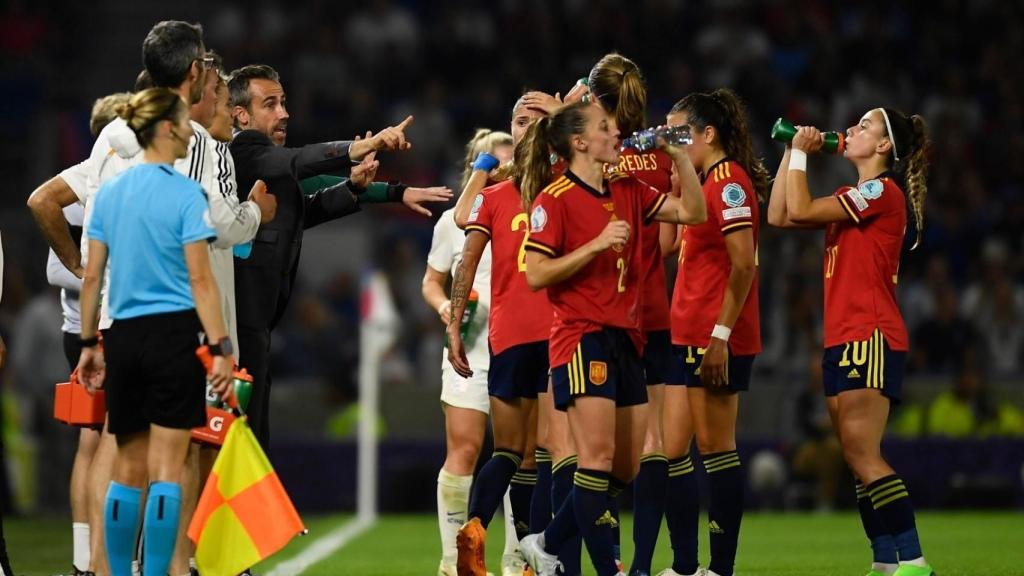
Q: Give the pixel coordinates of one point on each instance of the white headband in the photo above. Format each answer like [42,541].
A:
[892,137]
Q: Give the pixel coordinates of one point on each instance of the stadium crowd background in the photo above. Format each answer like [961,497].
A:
[458,65]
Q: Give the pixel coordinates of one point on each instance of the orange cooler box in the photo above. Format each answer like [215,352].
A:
[217,423]
[73,405]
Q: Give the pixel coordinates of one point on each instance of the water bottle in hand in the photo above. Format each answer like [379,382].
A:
[647,139]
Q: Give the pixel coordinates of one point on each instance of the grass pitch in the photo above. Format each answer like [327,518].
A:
[956,544]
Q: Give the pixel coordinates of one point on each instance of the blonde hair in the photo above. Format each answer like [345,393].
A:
[147,108]
[104,110]
[911,134]
[533,153]
[485,140]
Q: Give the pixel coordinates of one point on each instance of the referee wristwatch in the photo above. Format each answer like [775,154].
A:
[222,347]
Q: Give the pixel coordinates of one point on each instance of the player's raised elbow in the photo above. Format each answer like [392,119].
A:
[461,219]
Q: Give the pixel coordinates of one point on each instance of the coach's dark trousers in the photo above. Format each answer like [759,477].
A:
[254,356]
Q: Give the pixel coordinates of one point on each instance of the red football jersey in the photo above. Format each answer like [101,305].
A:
[518,314]
[862,261]
[704,264]
[653,168]
[607,291]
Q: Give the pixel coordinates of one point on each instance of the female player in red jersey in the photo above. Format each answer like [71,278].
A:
[464,400]
[518,327]
[716,329]
[865,337]
[585,244]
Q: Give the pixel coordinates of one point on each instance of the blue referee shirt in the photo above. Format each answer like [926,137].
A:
[146,215]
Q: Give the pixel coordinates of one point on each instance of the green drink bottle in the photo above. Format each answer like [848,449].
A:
[243,388]
[783,131]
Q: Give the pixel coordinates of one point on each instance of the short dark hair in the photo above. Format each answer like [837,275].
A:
[238,82]
[169,50]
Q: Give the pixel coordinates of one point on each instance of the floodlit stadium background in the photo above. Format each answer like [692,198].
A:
[458,65]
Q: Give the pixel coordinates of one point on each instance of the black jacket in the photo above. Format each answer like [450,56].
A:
[263,282]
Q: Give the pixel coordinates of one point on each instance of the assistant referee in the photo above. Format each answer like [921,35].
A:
[152,224]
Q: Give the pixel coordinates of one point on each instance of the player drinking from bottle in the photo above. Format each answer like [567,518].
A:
[715,329]
[865,337]
[585,246]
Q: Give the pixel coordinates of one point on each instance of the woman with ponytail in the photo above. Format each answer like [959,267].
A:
[716,329]
[517,332]
[152,224]
[865,336]
[585,246]
[617,85]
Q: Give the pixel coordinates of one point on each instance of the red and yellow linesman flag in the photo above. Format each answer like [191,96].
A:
[244,514]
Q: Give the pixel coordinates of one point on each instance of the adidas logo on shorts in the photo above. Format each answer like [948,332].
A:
[853,374]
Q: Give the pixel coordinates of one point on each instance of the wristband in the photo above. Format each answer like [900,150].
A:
[798,160]
[89,342]
[721,332]
[485,162]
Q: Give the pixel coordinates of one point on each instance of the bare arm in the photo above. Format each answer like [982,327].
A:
[90,361]
[433,292]
[207,300]
[777,214]
[477,181]
[47,203]
[801,208]
[471,252]
[743,261]
[543,270]
[689,207]
[670,234]
[91,282]
[204,290]
[58,275]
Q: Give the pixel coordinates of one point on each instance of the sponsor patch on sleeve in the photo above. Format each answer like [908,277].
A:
[538,219]
[474,212]
[734,213]
[858,199]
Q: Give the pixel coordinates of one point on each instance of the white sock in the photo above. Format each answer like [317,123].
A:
[452,507]
[80,538]
[915,562]
[511,542]
[884,568]
[136,568]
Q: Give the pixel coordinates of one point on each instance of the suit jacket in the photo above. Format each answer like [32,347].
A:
[263,282]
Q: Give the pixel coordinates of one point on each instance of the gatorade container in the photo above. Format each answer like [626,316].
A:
[218,416]
[783,131]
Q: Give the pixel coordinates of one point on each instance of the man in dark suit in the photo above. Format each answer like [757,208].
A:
[264,279]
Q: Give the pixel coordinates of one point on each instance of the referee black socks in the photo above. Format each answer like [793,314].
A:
[725,511]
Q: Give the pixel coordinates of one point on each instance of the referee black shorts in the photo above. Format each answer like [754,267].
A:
[153,375]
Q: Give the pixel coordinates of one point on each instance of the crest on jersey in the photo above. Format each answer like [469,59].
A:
[538,219]
[475,211]
[733,195]
[872,189]
[598,373]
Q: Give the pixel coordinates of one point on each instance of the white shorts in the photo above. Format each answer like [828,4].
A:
[462,392]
